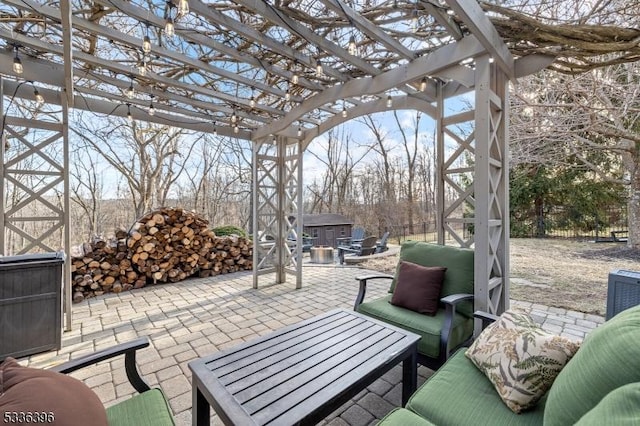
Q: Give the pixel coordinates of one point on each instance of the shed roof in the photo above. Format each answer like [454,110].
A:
[323,219]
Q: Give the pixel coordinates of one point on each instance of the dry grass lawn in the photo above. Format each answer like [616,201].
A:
[561,273]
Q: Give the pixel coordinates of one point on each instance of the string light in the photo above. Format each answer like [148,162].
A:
[39,97]
[287,95]
[389,101]
[252,100]
[215,129]
[17,63]
[352,46]
[183,7]
[299,131]
[344,110]
[319,70]
[152,110]
[130,92]
[423,84]
[294,78]
[236,129]
[129,116]
[274,140]
[415,23]
[234,117]
[146,42]
[142,67]
[169,27]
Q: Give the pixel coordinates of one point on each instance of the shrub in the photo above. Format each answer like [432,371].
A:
[222,231]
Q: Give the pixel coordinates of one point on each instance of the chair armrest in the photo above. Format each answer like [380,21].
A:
[128,349]
[450,302]
[363,287]
[486,318]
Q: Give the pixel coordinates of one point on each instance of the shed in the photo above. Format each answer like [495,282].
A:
[326,227]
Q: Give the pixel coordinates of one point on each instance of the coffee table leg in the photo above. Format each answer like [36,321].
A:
[200,411]
[409,376]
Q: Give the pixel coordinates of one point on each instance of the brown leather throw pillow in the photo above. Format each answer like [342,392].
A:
[31,396]
[418,287]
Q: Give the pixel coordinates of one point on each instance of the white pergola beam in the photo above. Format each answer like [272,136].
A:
[67,32]
[433,63]
[474,17]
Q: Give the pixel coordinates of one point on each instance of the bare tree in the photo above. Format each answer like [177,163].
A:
[149,157]
[86,184]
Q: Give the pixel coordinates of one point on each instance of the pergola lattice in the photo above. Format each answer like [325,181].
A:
[278,73]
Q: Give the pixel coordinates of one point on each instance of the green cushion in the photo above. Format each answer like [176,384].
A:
[608,358]
[146,409]
[620,407]
[458,261]
[428,327]
[459,394]
[403,417]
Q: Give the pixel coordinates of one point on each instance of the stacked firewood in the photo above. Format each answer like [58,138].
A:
[103,266]
[166,245]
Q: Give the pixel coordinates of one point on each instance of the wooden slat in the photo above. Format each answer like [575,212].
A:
[274,403]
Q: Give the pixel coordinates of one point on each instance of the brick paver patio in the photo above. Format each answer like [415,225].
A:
[196,317]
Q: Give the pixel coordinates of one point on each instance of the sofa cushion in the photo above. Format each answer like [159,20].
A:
[50,397]
[608,359]
[459,394]
[520,358]
[428,327]
[621,407]
[418,287]
[403,417]
[146,409]
[458,261]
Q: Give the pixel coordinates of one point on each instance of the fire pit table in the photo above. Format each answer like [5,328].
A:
[321,254]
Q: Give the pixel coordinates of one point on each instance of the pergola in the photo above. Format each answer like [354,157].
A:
[277,73]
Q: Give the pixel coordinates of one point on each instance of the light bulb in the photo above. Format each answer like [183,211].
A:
[234,117]
[152,110]
[299,131]
[423,84]
[389,101]
[252,102]
[319,70]
[39,98]
[169,28]
[146,44]
[287,95]
[142,68]
[215,129]
[130,92]
[414,21]
[274,140]
[236,129]
[129,116]
[183,7]
[17,64]
[352,46]
[344,112]
[294,78]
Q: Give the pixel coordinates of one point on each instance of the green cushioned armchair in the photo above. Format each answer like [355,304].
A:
[148,408]
[452,326]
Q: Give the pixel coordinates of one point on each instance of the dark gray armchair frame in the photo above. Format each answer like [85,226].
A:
[128,349]
[449,302]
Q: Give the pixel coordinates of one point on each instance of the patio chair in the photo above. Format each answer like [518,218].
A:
[452,325]
[367,247]
[357,235]
[149,407]
[381,246]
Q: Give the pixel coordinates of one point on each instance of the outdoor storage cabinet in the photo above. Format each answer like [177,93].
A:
[623,291]
[30,303]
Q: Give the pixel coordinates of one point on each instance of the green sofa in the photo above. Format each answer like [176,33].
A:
[599,386]
[452,326]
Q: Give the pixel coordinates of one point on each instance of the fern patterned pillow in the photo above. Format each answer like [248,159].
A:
[520,358]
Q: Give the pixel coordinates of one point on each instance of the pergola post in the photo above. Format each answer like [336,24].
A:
[491,221]
[277,214]
[35,169]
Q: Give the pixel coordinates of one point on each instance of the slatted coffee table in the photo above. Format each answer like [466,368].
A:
[303,372]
